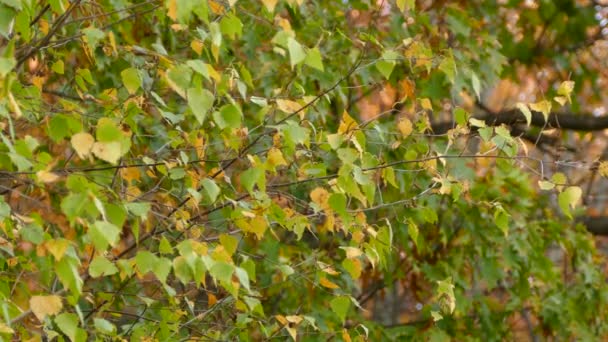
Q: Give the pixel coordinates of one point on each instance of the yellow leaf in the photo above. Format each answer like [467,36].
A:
[292,332]
[565,89]
[44,26]
[288,106]
[603,169]
[326,283]
[426,104]
[172,9]
[275,158]
[216,7]
[46,176]
[320,196]
[5,329]
[543,106]
[405,127]
[346,335]
[130,174]
[327,268]
[197,46]
[82,143]
[281,319]
[352,252]
[347,124]
[294,319]
[107,151]
[57,247]
[43,306]
[270,5]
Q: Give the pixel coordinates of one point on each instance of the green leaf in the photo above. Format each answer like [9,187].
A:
[243,277]
[68,273]
[229,116]
[476,85]
[251,177]
[568,199]
[296,52]
[104,326]
[161,269]
[222,271]
[340,306]
[231,26]
[211,189]
[200,102]
[131,80]
[68,324]
[146,261]
[387,63]
[103,234]
[314,59]
[100,266]
[6,65]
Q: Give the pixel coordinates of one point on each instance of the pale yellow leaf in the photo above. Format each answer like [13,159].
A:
[82,143]
[352,252]
[405,127]
[270,5]
[43,306]
[46,176]
[288,106]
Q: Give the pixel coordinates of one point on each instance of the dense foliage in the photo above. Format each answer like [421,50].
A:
[234,170]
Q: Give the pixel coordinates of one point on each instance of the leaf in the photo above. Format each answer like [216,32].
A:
[103,234]
[131,80]
[448,66]
[340,306]
[603,168]
[229,116]
[145,261]
[222,271]
[288,106]
[46,176]
[565,90]
[476,85]
[320,197]
[6,65]
[82,143]
[68,324]
[405,127]
[109,151]
[200,102]
[104,326]
[314,59]
[100,266]
[543,106]
[525,111]
[251,177]
[347,124]
[387,63]
[568,199]
[545,185]
[296,52]
[328,283]
[43,306]
[211,189]
[270,5]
